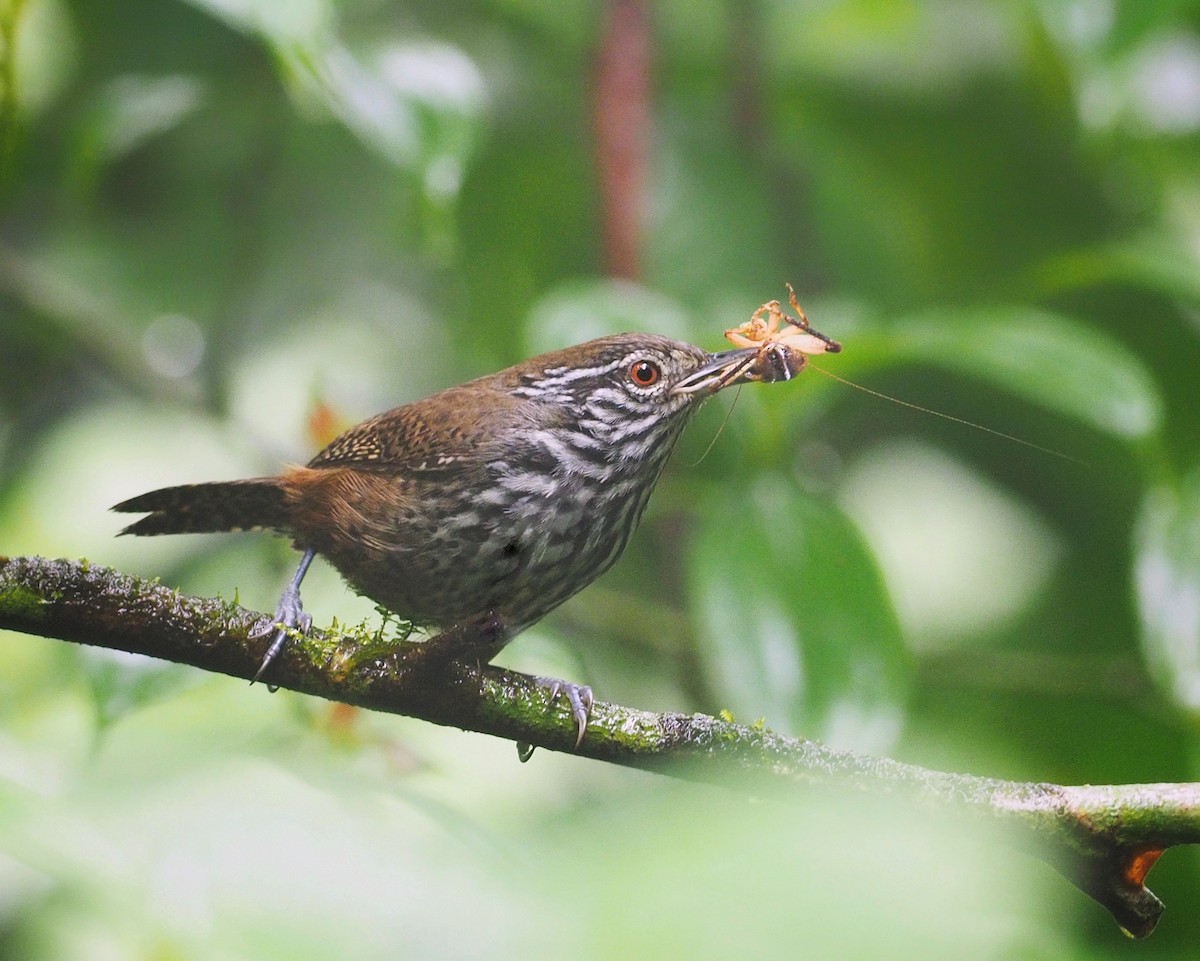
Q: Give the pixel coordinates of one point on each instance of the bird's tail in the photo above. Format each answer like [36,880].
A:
[239,505]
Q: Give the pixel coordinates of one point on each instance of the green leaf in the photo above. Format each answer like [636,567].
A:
[1167,581]
[122,683]
[793,620]
[579,310]
[1151,262]
[417,105]
[133,109]
[1043,357]
[298,22]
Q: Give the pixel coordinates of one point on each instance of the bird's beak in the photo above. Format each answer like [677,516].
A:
[722,370]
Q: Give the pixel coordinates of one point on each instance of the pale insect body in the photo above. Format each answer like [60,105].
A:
[784,343]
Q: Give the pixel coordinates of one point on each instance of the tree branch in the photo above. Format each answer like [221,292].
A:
[1104,839]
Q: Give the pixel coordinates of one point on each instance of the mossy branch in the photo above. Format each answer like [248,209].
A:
[1102,838]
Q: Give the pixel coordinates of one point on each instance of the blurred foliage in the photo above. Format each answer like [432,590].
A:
[222,219]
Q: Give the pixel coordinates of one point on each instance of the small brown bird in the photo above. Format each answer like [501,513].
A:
[485,506]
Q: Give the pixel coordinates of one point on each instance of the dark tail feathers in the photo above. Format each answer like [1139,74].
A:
[206,508]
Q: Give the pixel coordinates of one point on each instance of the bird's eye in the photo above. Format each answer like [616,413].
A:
[645,373]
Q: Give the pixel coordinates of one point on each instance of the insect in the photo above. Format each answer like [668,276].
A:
[784,343]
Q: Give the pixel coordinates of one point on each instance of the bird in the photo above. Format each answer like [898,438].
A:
[481,508]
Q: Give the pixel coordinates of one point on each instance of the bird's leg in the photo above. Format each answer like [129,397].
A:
[479,639]
[288,616]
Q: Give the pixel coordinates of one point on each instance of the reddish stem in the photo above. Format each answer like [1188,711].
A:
[622,129]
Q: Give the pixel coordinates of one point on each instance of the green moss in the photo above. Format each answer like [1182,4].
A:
[340,650]
[22,602]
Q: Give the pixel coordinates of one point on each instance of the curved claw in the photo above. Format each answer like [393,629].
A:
[288,616]
[579,696]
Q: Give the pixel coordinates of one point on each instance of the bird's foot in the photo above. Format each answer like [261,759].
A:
[579,696]
[289,616]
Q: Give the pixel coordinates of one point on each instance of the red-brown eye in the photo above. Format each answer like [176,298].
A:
[645,373]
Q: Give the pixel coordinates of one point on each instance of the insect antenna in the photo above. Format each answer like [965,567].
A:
[721,429]
[950,417]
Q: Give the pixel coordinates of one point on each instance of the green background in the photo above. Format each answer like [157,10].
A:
[220,217]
